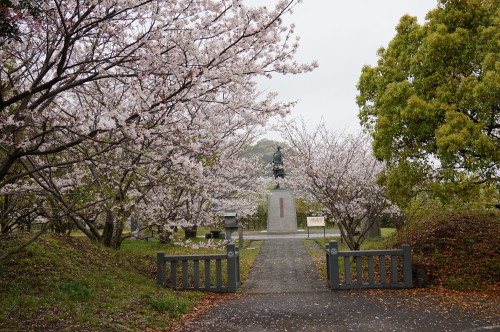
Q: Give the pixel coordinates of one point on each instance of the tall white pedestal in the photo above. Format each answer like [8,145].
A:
[281,215]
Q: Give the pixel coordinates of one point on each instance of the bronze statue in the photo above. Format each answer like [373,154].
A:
[278,170]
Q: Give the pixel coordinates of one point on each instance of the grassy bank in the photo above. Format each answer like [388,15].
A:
[62,283]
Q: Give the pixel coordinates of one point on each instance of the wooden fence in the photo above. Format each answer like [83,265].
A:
[185,271]
[371,275]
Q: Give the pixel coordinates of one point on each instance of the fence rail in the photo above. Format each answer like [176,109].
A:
[189,267]
[400,260]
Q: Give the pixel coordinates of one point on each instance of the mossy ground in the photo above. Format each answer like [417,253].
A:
[62,283]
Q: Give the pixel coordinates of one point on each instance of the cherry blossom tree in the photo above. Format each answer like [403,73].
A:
[84,68]
[339,171]
[87,68]
[91,84]
[234,181]
[163,183]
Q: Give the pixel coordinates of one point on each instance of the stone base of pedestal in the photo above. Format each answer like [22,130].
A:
[281,214]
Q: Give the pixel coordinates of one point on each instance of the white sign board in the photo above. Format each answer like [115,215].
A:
[315,221]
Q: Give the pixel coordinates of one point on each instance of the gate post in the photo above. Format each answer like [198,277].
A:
[162,269]
[407,266]
[333,264]
[232,278]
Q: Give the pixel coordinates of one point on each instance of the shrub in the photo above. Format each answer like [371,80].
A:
[458,250]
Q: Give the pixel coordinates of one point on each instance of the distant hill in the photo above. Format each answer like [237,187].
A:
[263,149]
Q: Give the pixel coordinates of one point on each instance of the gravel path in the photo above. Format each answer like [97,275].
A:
[284,292]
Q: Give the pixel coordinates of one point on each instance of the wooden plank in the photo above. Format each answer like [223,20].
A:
[218,269]
[359,269]
[194,257]
[407,266]
[394,263]
[232,278]
[238,272]
[387,252]
[382,269]
[371,270]
[347,270]
[162,269]
[185,274]
[207,274]
[327,265]
[332,258]
[173,273]
[196,275]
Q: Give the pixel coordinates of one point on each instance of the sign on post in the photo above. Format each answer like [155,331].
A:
[316,222]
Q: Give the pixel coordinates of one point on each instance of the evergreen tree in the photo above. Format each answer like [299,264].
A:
[432,103]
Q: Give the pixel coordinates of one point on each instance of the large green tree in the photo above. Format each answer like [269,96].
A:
[432,103]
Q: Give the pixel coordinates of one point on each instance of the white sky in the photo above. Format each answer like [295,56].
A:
[343,36]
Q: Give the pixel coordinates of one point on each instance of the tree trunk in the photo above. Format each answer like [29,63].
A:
[116,240]
[4,227]
[107,232]
[190,232]
[348,233]
[87,226]
[399,222]
[61,227]
[165,236]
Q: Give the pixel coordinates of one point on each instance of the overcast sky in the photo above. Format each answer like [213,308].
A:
[343,36]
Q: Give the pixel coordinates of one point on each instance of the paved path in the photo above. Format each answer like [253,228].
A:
[285,293]
[283,265]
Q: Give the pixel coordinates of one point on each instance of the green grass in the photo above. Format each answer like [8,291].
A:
[202,230]
[368,244]
[62,283]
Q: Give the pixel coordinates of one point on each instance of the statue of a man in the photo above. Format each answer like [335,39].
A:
[278,171]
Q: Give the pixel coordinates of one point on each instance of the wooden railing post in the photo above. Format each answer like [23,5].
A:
[333,264]
[407,266]
[162,269]
[232,279]
[238,276]
[328,262]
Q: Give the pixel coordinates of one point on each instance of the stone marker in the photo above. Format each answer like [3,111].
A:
[136,226]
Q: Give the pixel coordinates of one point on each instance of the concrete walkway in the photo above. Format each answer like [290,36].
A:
[285,293]
[282,266]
